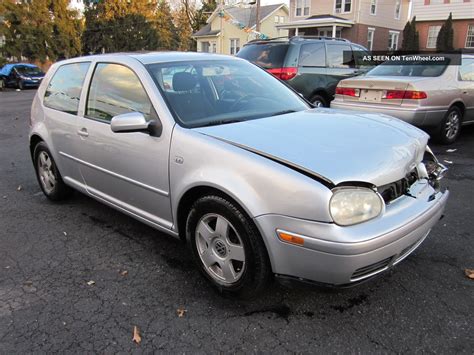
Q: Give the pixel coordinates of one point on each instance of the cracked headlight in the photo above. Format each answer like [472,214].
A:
[352,205]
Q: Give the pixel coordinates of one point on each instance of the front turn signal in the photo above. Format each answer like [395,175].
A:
[290,238]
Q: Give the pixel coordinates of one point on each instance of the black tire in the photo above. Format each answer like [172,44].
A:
[257,271]
[444,135]
[57,192]
[319,101]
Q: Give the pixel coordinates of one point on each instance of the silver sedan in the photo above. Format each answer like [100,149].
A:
[437,97]
[215,151]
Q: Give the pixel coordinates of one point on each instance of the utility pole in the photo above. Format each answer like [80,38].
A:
[257,17]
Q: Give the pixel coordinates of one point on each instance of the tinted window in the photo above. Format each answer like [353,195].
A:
[115,89]
[64,90]
[340,56]
[28,70]
[265,55]
[466,71]
[313,55]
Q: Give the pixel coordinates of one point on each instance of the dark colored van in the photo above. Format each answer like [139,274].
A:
[311,65]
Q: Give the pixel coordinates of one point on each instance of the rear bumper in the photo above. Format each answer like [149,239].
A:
[340,256]
[420,117]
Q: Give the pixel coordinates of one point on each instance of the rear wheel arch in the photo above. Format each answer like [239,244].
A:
[323,93]
[459,105]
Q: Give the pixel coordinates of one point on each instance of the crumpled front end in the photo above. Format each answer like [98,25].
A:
[342,255]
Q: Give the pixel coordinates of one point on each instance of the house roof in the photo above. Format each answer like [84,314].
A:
[245,15]
[206,32]
[248,16]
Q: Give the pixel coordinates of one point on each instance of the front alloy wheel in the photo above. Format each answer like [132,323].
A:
[220,249]
[227,246]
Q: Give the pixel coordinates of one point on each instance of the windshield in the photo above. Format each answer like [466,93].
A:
[26,70]
[203,93]
[404,69]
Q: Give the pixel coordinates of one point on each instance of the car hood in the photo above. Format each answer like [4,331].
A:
[334,145]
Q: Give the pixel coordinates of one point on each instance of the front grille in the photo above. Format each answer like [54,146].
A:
[398,188]
[370,269]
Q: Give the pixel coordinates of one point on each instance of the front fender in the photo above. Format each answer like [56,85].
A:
[259,185]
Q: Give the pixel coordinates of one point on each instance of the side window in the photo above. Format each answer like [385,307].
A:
[313,55]
[340,56]
[466,70]
[64,90]
[114,90]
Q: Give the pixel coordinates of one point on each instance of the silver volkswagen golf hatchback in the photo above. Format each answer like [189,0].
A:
[215,151]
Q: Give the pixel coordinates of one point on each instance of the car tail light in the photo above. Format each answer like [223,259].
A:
[348,92]
[402,94]
[284,73]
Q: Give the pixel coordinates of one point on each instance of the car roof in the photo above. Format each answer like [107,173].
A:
[158,57]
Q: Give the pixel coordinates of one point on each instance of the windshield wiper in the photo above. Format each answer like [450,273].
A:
[220,122]
[281,113]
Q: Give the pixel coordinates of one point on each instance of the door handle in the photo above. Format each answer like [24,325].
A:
[83,132]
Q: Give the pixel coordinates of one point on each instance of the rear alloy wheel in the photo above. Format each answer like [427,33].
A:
[227,247]
[450,127]
[21,85]
[319,101]
[48,175]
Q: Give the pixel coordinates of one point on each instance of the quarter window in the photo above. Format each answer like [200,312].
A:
[466,71]
[340,56]
[470,37]
[64,90]
[433,32]
[114,90]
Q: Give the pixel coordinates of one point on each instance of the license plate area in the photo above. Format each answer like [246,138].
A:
[367,95]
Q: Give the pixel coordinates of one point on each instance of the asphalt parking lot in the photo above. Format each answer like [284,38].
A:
[78,276]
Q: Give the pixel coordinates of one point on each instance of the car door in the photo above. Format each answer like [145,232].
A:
[466,86]
[340,64]
[61,103]
[128,170]
[311,76]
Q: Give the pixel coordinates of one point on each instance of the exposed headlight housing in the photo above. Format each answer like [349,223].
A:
[352,205]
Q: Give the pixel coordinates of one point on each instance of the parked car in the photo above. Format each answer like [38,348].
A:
[238,165]
[21,75]
[438,98]
[311,65]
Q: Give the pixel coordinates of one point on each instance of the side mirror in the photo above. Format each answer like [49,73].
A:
[135,122]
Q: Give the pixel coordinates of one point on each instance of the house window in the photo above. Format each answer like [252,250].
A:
[398,8]
[277,19]
[282,19]
[213,47]
[302,7]
[432,36]
[470,37]
[343,6]
[393,40]
[234,46]
[370,38]
[373,7]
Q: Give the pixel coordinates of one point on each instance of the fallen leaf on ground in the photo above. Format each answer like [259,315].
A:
[124,273]
[136,335]
[91,282]
[5,196]
[65,233]
[19,188]
[469,273]
[181,312]
[448,161]
[451,150]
